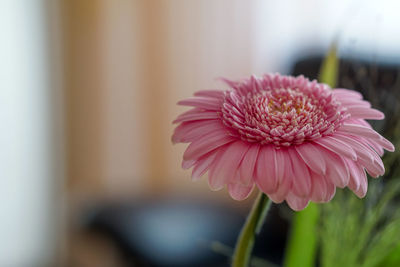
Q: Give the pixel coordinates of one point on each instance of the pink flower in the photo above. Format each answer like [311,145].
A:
[296,139]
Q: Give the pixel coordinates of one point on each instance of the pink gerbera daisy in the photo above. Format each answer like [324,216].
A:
[296,139]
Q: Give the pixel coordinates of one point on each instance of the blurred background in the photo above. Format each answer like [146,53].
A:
[88,91]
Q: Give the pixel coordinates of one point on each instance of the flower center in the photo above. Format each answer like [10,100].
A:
[282,116]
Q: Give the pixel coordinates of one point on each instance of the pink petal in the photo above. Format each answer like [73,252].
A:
[187,164]
[206,143]
[226,164]
[366,113]
[375,167]
[190,131]
[210,93]
[279,165]
[255,83]
[345,93]
[312,157]
[195,114]
[360,122]
[301,181]
[265,169]
[378,163]
[366,141]
[337,171]
[351,102]
[239,191]
[319,188]
[203,164]
[378,149]
[331,190]
[362,191]
[386,144]
[337,146]
[230,83]
[234,111]
[285,182]
[358,130]
[280,195]
[247,167]
[355,173]
[361,151]
[296,203]
[202,102]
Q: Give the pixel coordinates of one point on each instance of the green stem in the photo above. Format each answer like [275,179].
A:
[254,222]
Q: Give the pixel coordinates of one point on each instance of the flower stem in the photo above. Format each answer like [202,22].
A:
[254,222]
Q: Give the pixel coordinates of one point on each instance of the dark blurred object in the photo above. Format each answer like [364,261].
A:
[180,232]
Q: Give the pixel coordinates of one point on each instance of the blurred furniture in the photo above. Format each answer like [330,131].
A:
[179,232]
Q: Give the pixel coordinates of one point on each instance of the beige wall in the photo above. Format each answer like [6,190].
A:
[206,40]
[84,96]
[127,63]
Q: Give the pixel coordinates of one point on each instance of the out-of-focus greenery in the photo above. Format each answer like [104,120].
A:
[366,232]
[361,232]
[353,232]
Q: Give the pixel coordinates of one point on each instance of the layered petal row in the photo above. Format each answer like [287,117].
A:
[296,140]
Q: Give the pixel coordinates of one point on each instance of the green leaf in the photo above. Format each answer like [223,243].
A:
[301,248]
[361,232]
[329,68]
[393,259]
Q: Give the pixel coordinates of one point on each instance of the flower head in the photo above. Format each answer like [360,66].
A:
[296,139]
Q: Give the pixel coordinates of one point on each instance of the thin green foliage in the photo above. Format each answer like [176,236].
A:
[365,232]
[361,232]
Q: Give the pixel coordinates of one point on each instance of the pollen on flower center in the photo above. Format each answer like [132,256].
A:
[286,100]
[283,116]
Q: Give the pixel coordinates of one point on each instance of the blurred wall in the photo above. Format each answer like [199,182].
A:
[30,169]
[127,63]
